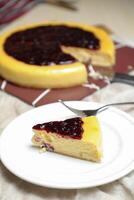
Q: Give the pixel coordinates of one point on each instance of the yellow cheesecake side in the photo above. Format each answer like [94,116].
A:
[87,148]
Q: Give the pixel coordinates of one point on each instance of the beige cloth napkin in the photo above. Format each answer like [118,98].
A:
[13,188]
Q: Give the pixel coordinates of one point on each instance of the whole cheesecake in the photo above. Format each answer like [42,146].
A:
[76,137]
[53,54]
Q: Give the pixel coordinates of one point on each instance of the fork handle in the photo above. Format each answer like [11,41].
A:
[114,104]
[121,103]
[123,78]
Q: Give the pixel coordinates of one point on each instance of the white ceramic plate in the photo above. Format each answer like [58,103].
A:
[58,171]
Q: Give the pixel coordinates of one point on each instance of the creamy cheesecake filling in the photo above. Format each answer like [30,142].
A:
[76,137]
[42,45]
[71,127]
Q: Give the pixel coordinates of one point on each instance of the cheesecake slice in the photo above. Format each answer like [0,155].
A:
[76,137]
[54,54]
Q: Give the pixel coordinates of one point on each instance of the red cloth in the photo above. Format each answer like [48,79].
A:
[12,9]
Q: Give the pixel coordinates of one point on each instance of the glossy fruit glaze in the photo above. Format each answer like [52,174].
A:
[69,127]
[42,45]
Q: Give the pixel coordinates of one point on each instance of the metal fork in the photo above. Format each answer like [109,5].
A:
[92,112]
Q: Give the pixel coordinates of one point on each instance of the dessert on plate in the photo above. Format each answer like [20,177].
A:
[76,137]
[53,54]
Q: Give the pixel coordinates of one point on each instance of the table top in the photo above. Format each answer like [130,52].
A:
[118,16]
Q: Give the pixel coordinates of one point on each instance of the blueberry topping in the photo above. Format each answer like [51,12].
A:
[42,45]
[70,127]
